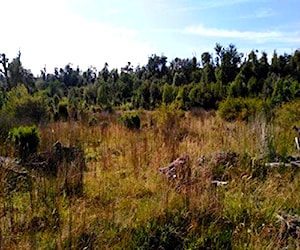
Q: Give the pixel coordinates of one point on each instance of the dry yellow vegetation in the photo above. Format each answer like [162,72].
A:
[127,204]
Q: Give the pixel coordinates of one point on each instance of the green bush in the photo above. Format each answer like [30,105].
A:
[242,109]
[169,93]
[32,109]
[63,113]
[25,107]
[288,114]
[131,120]
[26,140]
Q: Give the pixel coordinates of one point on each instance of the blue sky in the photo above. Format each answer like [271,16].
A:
[90,32]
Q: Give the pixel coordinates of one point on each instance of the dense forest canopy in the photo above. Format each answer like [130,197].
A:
[188,82]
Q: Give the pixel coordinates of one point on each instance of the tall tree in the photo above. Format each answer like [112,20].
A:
[296,67]
[89,76]
[275,64]
[208,75]
[16,71]
[127,69]
[263,66]
[17,74]
[228,62]
[4,71]
[104,73]
[157,66]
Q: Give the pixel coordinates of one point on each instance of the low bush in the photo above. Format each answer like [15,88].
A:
[25,107]
[131,120]
[26,140]
[63,113]
[233,109]
[288,115]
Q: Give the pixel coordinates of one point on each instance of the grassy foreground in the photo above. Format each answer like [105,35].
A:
[127,204]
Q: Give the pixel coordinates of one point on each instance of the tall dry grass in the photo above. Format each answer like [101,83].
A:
[127,204]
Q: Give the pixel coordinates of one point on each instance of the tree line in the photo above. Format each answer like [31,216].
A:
[186,82]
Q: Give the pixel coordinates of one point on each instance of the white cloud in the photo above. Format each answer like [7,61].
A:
[46,32]
[255,36]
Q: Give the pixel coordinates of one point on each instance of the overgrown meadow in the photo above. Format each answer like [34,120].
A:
[126,203]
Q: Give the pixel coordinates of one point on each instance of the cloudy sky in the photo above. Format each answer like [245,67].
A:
[91,32]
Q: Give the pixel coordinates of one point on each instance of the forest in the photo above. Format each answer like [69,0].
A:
[193,153]
[186,83]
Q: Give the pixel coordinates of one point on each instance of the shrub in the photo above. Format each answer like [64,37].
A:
[288,114]
[32,109]
[168,94]
[231,109]
[241,109]
[63,113]
[26,140]
[131,120]
[202,97]
[25,107]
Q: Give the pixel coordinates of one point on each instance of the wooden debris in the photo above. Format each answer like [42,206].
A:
[176,168]
[290,226]
[219,183]
[298,137]
[277,164]
[14,176]
[280,164]
[295,163]
[297,143]
[291,161]
[218,165]
[222,158]
[11,164]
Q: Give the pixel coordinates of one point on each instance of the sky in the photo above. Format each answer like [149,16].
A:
[84,33]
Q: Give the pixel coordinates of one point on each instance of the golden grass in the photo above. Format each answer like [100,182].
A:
[123,190]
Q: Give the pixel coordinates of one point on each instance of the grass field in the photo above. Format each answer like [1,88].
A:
[127,204]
